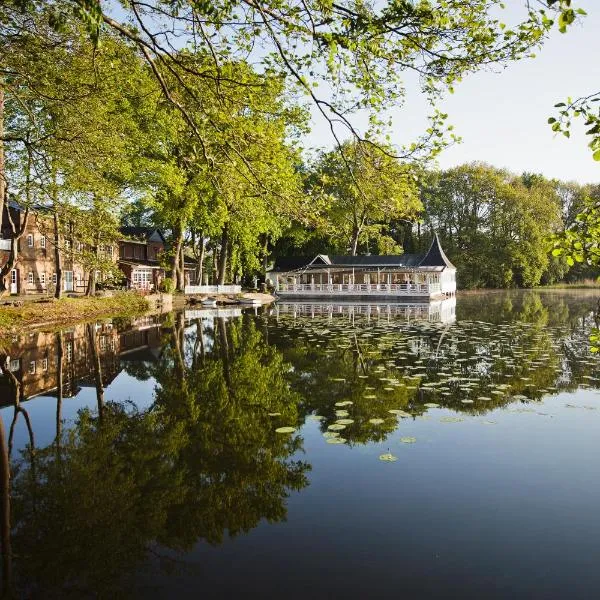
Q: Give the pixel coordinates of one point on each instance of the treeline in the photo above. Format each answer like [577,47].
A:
[494,225]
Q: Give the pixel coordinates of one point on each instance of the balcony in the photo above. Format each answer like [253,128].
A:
[359,289]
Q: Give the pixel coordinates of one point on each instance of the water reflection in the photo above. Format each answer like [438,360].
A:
[127,482]
[443,311]
[203,461]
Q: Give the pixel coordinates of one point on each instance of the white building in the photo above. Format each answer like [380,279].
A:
[429,275]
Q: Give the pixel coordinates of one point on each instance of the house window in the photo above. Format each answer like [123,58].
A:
[15,365]
[45,364]
[138,252]
[43,278]
[30,278]
[43,242]
[30,240]
[69,351]
[32,367]
[67,244]
[128,252]
[54,278]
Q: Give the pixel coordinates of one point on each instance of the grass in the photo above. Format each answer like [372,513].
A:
[68,310]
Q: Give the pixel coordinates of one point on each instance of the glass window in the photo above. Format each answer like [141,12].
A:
[45,364]
[32,367]
[30,278]
[15,364]
[30,240]
[54,278]
[43,241]
[43,278]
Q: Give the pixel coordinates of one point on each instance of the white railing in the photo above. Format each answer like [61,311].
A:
[4,244]
[382,289]
[213,289]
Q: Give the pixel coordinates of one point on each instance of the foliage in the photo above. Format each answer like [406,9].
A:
[362,189]
[492,224]
[167,285]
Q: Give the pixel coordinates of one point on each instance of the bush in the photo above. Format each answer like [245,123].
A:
[167,285]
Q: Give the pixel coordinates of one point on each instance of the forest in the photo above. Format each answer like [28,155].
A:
[193,118]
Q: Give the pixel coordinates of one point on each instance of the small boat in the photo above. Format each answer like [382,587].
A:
[208,302]
[250,301]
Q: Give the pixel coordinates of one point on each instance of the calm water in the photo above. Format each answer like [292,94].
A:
[434,452]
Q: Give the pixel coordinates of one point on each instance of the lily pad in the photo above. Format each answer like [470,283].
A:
[285,430]
[376,421]
[399,412]
[275,414]
[431,405]
[408,440]
[331,434]
[388,457]
[344,421]
[451,420]
[336,427]
[336,440]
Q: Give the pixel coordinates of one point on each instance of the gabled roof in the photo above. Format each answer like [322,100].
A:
[146,234]
[433,259]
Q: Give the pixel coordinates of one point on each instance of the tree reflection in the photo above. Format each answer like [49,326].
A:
[203,461]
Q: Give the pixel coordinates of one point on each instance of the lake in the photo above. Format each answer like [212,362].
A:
[307,450]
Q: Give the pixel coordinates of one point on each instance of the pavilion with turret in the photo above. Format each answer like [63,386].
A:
[429,275]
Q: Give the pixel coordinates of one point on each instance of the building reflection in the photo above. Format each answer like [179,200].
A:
[60,364]
[440,311]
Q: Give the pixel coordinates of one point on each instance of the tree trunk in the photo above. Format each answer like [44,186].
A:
[200,263]
[97,370]
[91,287]
[354,242]
[178,239]
[5,515]
[57,257]
[2,162]
[59,386]
[223,255]
[17,233]
[181,274]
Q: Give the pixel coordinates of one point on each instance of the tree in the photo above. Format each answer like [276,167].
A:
[357,207]
[492,224]
[361,51]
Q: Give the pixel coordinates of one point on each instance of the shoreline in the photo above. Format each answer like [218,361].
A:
[54,313]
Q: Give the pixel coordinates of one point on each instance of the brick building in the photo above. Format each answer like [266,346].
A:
[35,271]
[139,255]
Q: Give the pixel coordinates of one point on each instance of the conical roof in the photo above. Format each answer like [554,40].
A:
[435,256]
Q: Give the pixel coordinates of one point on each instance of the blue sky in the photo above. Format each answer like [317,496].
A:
[502,116]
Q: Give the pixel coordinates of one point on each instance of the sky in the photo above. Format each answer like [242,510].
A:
[502,116]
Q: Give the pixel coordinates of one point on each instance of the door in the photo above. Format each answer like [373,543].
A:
[14,287]
[68,276]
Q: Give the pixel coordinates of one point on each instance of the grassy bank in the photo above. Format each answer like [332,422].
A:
[49,313]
